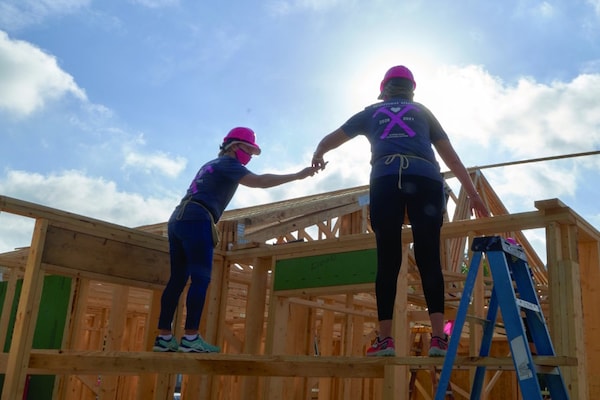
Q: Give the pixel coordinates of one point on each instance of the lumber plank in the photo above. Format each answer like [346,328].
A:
[136,363]
[94,256]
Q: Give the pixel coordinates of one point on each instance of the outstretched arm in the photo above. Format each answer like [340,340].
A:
[329,142]
[448,154]
[270,180]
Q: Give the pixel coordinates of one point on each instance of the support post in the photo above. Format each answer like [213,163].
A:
[566,320]
[26,318]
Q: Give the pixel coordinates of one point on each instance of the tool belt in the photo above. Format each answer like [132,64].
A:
[216,238]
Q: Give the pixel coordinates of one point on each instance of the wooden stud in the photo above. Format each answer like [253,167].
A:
[255,310]
[27,312]
[589,257]
[395,381]
[9,299]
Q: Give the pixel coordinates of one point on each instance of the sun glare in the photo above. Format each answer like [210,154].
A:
[366,75]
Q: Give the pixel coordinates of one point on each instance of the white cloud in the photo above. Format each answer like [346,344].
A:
[553,119]
[464,100]
[75,192]
[521,185]
[156,3]
[595,5]
[285,7]
[30,78]
[94,197]
[17,14]
[157,162]
[534,11]
[525,120]
[15,231]
[545,10]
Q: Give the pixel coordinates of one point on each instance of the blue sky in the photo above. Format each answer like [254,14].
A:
[108,108]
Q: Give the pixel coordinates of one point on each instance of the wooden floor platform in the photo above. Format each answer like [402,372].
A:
[42,362]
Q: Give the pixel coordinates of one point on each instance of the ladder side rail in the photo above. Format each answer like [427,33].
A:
[514,326]
[536,324]
[486,345]
[543,345]
[535,321]
[459,322]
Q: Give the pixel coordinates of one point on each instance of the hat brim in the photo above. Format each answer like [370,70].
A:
[254,149]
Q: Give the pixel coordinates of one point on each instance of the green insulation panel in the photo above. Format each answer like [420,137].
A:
[49,328]
[338,269]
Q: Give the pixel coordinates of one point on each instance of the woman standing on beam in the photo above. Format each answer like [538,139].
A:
[405,180]
[193,235]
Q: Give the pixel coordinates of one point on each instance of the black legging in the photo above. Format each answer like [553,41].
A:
[424,201]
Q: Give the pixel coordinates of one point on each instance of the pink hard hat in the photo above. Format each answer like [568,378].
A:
[242,135]
[399,71]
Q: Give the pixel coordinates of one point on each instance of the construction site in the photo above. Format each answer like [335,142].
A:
[291,304]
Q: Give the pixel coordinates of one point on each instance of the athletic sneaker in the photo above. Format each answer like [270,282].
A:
[197,345]
[382,348]
[438,346]
[164,345]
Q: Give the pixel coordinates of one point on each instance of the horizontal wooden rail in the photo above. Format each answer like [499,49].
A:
[80,223]
[44,362]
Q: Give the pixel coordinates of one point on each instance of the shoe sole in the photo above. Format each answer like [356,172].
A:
[163,350]
[437,353]
[190,350]
[383,353]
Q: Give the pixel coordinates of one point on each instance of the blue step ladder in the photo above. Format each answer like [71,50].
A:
[514,293]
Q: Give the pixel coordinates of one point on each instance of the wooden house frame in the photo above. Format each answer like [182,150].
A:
[299,342]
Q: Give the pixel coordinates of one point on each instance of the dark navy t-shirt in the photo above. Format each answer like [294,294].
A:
[214,186]
[399,127]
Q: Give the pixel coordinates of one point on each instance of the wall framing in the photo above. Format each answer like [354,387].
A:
[283,344]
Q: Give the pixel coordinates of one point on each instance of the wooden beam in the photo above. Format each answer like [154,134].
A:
[282,210]
[88,255]
[484,226]
[135,363]
[265,232]
[450,174]
[82,224]
[551,207]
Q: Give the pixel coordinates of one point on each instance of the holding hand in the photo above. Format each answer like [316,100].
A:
[318,162]
[329,142]
[308,171]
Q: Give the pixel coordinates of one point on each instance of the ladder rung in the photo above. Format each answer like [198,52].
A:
[528,305]
[477,320]
[547,370]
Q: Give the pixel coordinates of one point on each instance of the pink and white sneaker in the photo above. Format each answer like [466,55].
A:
[438,346]
[382,348]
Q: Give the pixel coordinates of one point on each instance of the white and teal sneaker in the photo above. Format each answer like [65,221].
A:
[164,345]
[197,345]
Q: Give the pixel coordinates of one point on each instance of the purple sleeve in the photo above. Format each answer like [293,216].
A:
[436,132]
[356,125]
